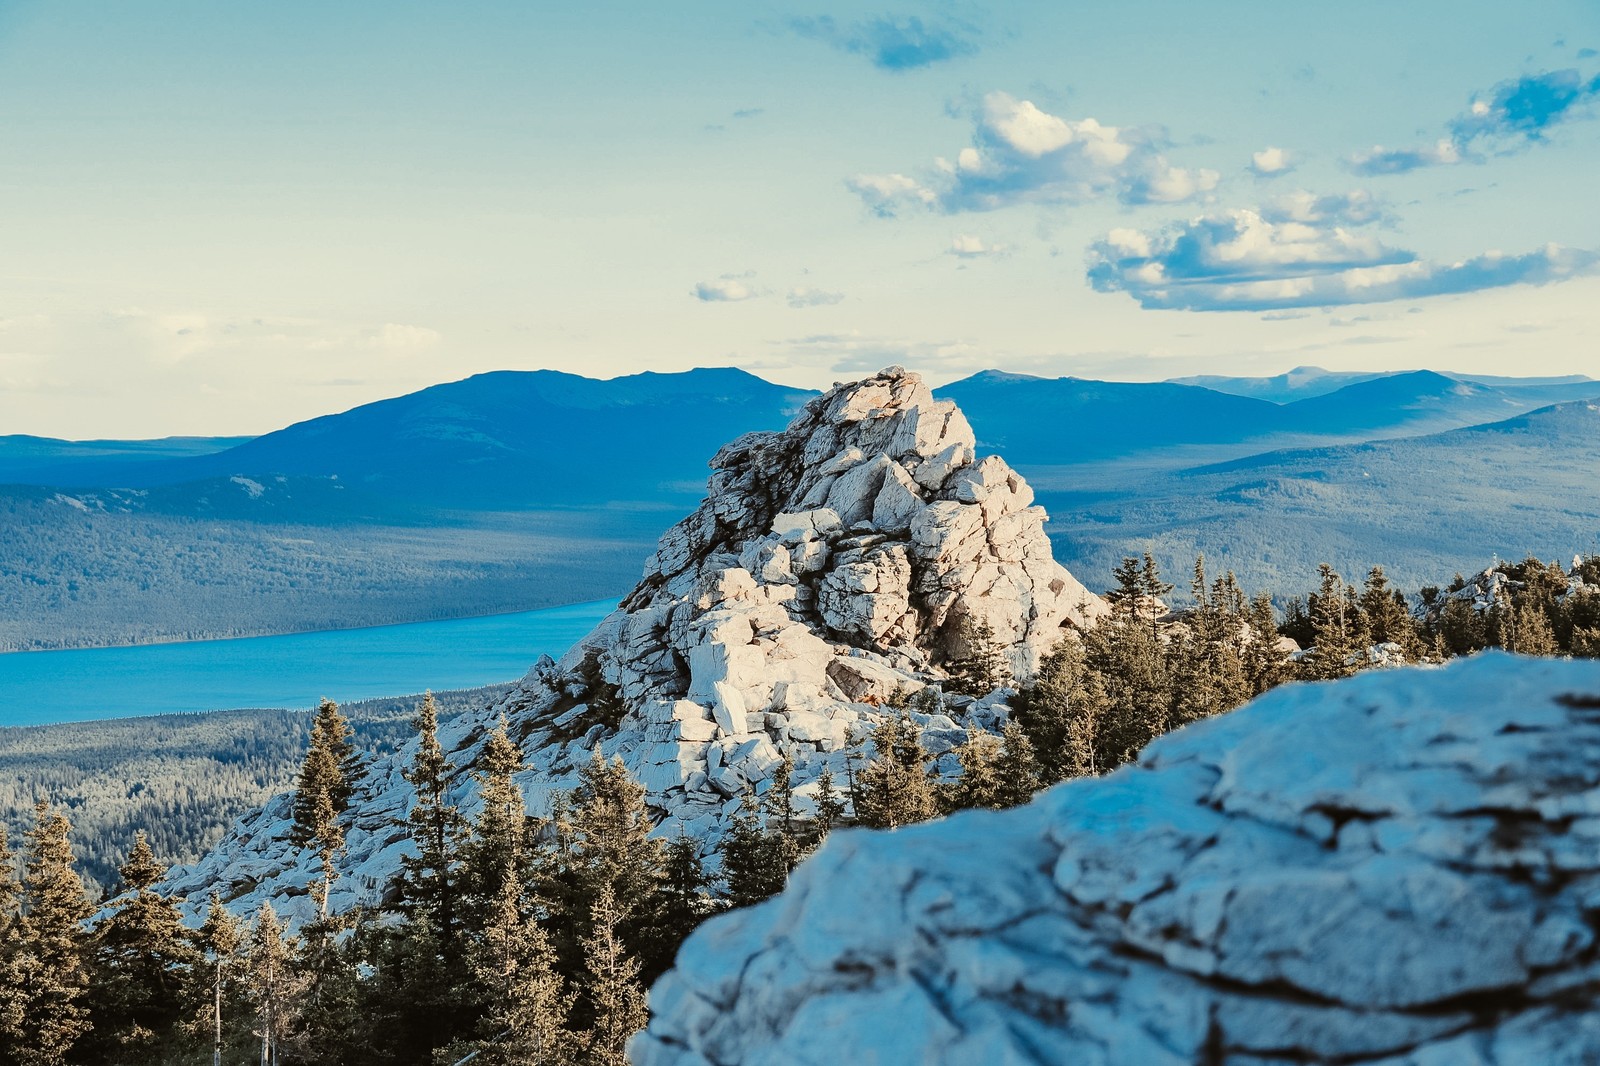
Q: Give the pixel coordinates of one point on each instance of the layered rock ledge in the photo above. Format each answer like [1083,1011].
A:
[1400,868]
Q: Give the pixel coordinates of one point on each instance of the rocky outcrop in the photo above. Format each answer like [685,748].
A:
[830,565]
[1399,868]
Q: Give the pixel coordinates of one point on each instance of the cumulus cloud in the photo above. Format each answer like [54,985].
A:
[971,246]
[1271,162]
[1512,115]
[723,290]
[802,297]
[892,43]
[1381,160]
[1023,154]
[885,194]
[1246,260]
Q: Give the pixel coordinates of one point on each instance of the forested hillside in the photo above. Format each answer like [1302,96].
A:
[180,779]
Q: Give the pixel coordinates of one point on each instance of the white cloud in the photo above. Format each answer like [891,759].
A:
[1246,260]
[802,297]
[1271,162]
[1381,160]
[971,246]
[884,194]
[723,290]
[1023,154]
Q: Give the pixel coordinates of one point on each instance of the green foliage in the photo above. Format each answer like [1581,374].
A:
[49,964]
[979,665]
[896,787]
[142,963]
[183,779]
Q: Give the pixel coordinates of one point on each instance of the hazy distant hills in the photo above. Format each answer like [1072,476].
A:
[1073,421]
[1304,382]
[523,489]
[26,460]
[1424,506]
[510,440]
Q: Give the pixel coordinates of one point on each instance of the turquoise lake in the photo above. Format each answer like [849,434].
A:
[296,670]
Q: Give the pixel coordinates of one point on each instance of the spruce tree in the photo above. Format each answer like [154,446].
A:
[1060,713]
[429,879]
[142,966]
[979,784]
[896,787]
[611,985]
[830,805]
[981,667]
[424,963]
[273,985]
[685,902]
[605,841]
[526,1016]
[752,866]
[1339,629]
[782,827]
[1133,689]
[221,938]
[51,961]
[12,986]
[1265,667]
[1017,768]
[499,839]
[328,775]
[1388,617]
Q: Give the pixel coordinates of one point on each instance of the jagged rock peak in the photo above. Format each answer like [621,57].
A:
[1400,868]
[830,565]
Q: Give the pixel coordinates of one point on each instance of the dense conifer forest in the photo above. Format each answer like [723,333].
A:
[530,937]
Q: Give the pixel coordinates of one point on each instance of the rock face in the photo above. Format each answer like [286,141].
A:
[1400,868]
[829,565]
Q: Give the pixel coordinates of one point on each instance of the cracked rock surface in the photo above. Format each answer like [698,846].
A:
[829,565]
[1401,868]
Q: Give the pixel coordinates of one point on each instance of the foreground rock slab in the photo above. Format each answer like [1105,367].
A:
[1401,868]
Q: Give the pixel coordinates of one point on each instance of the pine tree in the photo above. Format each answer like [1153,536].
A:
[142,964]
[52,956]
[611,985]
[328,775]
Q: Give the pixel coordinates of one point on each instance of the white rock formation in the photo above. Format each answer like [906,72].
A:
[1402,868]
[829,565]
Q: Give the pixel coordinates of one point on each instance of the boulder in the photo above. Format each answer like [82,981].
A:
[1401,868]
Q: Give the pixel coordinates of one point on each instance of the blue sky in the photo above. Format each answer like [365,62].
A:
[220,217]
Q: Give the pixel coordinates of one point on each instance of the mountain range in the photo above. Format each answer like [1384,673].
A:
[512,485]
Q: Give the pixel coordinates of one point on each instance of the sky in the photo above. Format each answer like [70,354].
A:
[219,218]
